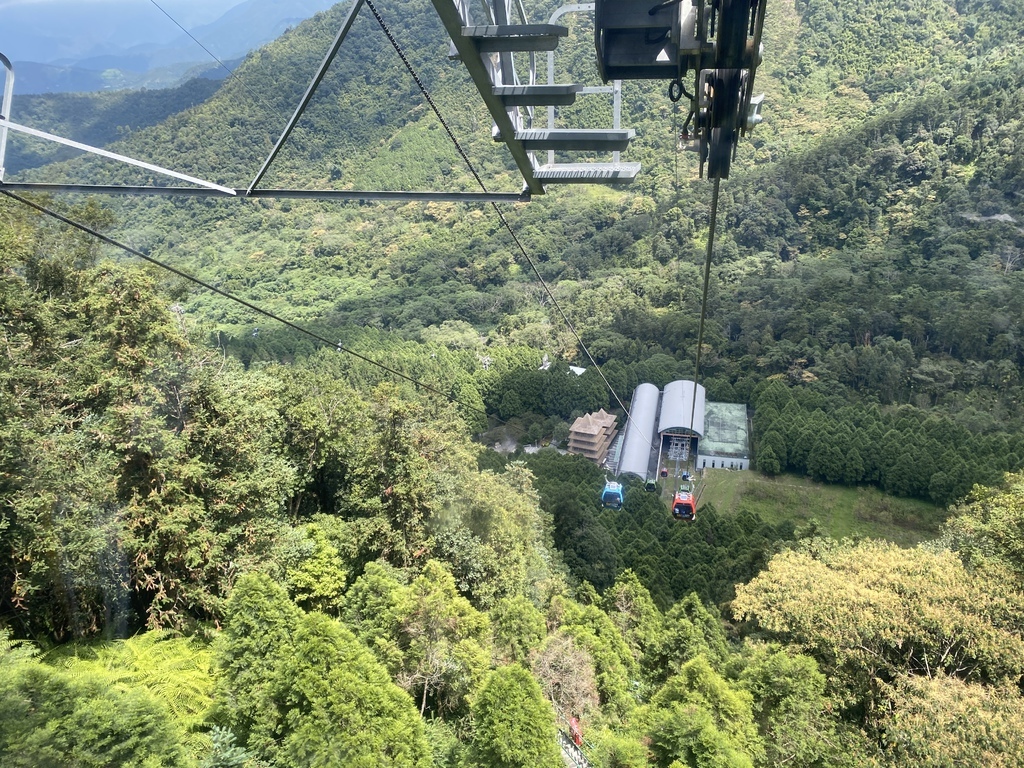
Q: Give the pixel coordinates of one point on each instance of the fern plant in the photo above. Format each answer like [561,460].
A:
[175,670]
[14,652]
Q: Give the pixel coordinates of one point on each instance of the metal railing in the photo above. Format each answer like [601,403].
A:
[577,753]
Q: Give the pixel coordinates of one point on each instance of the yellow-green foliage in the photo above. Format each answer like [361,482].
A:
[176,671]
[946,721]
[903,611]
[89,714]
[988,531]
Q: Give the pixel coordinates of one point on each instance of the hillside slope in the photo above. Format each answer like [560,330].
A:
[877,206]
[383,590]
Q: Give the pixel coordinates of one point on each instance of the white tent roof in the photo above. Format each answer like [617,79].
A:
[678,404]
[635,456]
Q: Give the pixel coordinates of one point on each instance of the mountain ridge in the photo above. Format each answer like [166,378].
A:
[157,61]
[382,584]
[814,191]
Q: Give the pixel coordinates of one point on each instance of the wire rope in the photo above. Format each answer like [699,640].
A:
[239,300]
[501,216]
[225,67]
[675,144]
[231,74]
[704,298]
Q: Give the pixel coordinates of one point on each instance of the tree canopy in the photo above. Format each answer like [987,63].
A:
[238,545]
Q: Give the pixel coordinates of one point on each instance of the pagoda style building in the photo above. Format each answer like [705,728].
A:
[592,434]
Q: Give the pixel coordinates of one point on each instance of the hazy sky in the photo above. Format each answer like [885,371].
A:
[191,11]
[216,5]
[47,30]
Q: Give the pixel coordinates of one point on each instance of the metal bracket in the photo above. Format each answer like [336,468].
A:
[615,88]
[6,125]
[205,188]
[455,14]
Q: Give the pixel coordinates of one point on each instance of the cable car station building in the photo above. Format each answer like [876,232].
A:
[678,425]
[726,443]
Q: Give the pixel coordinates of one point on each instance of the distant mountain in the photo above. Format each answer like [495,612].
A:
[253,23]
[60,47]
[65,31]
[868,246]
[36,79]
[32,77]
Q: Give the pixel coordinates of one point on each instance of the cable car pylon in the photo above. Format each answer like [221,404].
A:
[488,37]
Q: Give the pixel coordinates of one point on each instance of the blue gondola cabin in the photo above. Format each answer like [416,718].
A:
[612,495]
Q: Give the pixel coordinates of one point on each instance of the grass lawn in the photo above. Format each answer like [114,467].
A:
[840,511]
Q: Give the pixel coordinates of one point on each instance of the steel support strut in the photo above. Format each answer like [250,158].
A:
[5,108]
[313,85]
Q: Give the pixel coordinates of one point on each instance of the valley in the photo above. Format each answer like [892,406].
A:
[231,542]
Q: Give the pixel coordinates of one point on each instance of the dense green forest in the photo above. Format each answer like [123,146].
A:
[224,543]
[97,119]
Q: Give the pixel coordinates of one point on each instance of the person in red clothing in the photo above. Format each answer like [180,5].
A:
[574,730]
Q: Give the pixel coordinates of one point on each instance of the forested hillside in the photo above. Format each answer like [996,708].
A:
[97,119]
[225,543]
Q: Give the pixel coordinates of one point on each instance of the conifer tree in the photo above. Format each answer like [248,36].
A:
[768,462]
[513,726]
[300,689]
[699,719]
[853,468]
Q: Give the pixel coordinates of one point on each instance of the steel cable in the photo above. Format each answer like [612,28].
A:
[501,216]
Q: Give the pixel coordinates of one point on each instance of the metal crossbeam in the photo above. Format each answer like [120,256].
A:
[209,189]
[7,124]
[5,107]
[313,85]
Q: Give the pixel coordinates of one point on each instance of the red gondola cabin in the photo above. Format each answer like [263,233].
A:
[684,507]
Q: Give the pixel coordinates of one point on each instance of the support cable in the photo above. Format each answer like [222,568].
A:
[675,144]
[225,67]
[704,299]
[501,216]
[237,299]
[174,21]
[426,94]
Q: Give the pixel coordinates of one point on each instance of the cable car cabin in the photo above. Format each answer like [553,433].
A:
[611,497]
[684,507]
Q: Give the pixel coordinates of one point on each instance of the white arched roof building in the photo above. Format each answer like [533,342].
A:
[635,456]
[655,415]
[679,426]
[682,409]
